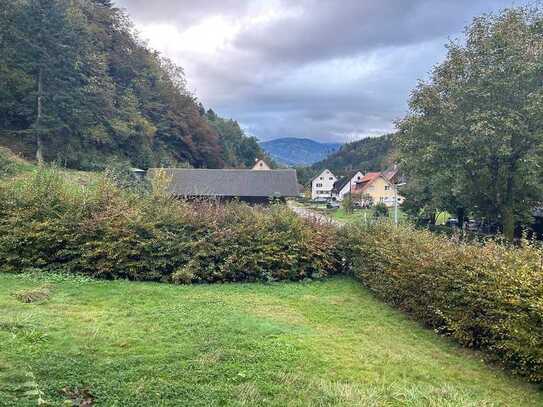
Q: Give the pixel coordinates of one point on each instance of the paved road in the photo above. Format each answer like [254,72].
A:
[313,215]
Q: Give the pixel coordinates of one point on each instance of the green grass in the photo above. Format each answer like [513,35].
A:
[141,344]
[361,215]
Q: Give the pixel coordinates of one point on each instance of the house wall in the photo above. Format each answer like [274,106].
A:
[382,191]
[261,165]
[321,186]
[349,187]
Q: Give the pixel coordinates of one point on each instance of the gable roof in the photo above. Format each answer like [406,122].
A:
[340,184]
[370,178]
[391,172]
[322,173]
[232,183]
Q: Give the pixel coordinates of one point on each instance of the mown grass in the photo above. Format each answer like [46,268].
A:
[322,343]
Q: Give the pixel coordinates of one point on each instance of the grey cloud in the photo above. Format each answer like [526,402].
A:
[278,79]
[181,12]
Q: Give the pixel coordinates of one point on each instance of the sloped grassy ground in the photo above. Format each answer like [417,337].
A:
[321,343]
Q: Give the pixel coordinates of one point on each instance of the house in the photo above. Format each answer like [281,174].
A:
[322,185]
[260,165]
[377,188]
[346,185]
[246,185]
[394,175]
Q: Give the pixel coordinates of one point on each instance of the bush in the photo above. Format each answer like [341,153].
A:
[102,230]
[347,204]
[380,210]
[487,296]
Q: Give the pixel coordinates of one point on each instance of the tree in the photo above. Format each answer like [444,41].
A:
[380,210]
[474,134]
[347,203]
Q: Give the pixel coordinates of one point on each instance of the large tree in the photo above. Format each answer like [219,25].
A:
[474,134]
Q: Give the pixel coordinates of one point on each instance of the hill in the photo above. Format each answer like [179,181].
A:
[298,151]
[80,88]
[369,154]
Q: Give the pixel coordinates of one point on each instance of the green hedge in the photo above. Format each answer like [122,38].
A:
[54,222]
[486,296]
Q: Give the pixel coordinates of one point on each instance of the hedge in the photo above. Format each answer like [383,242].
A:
[487,296]
[52,221]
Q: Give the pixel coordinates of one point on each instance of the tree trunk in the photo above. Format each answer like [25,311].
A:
[508,218]
[508,213]
[39,141]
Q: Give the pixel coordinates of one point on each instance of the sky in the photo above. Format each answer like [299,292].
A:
[329,70]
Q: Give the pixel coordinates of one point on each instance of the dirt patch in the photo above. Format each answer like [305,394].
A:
[34,295]
[79,397]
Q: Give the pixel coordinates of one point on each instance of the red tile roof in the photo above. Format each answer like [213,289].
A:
[371,176]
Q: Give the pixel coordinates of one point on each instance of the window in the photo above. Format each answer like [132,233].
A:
[321,178]
[331,179]
[387,187]
[318,185]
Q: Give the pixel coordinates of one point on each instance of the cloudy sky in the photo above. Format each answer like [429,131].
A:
[330,70]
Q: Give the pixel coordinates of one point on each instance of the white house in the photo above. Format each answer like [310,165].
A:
[322,185]
[260,165]
[347,185]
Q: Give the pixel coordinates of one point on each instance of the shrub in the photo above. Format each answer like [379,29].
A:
[99,229]
[347,204]
[380,210]
[487,296]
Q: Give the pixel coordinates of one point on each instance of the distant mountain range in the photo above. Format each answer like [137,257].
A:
[298,151]
[369,154]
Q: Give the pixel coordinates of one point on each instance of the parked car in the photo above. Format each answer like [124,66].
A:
[332,205]
[359,205]
[452,222]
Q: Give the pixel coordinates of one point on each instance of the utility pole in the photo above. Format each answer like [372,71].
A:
[396,201]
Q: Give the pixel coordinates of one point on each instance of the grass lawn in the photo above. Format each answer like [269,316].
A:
[145,344]
[361,215]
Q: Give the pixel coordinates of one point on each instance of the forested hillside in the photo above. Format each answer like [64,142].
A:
[369,154]
[79,87]
[298,151]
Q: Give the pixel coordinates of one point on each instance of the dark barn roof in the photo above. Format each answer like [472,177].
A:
[339,184]
[232,183]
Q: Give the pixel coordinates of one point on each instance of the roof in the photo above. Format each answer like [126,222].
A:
[370,178]
[322,172]
[391,172]
[232,183]
[338,185]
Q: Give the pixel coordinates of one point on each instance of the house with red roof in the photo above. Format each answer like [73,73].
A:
[378,188]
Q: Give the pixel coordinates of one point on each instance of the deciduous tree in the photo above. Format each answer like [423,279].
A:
[474,134]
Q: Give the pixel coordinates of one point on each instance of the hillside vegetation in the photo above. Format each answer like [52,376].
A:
[320,344]
[369,154]
[80,88]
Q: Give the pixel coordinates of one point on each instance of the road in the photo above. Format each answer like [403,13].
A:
[313,215]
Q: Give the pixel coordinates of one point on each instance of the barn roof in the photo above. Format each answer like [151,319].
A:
[232,183]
